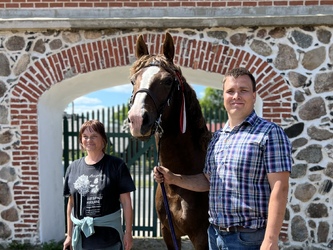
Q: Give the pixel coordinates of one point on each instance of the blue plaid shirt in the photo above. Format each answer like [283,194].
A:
[238,161]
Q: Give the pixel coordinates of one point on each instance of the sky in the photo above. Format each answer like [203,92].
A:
[110,97]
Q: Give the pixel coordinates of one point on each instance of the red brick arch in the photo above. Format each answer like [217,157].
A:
[113,52]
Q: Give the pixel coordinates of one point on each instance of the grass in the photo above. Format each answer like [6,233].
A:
[52,245]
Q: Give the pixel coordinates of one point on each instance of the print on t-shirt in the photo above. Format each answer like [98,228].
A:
[88,187]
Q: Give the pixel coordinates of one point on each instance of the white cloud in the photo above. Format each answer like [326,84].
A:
[86,100]
[79,109]
[84,104]
[127,89]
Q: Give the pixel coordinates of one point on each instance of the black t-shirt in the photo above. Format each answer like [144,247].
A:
[96,192]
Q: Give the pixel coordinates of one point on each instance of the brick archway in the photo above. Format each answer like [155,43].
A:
[109,53]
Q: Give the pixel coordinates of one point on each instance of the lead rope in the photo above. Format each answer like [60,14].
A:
[166,203]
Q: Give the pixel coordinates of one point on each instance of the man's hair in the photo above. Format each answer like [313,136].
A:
[236,72]
[98,127]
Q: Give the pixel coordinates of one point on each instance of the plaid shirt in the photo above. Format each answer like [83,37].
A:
[238,161]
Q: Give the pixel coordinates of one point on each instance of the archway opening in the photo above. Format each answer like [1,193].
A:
[51,106]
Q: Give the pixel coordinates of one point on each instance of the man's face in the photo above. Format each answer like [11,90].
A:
[239,97]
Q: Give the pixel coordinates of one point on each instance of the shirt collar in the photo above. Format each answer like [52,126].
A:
[251,119]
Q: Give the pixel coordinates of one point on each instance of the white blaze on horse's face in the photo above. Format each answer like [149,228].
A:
[138,110]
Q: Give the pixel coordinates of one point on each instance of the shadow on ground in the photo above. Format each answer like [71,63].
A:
[157,244]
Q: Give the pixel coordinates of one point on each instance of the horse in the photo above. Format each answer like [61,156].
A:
[163,104]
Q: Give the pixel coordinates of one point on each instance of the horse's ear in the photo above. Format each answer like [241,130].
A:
[168,47]
[141,47]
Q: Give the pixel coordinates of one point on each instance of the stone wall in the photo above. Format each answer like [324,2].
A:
[301,57]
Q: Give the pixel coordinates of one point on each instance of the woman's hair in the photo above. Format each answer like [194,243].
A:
[236,72]
[98,127]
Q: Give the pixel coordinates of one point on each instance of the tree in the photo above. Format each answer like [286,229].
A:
[212,99]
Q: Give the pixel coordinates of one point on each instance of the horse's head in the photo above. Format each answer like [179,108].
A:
[155,79]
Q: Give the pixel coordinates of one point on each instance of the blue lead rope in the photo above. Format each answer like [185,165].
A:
[165,199]
[167,208]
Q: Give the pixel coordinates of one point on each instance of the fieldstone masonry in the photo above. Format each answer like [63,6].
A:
[302,56]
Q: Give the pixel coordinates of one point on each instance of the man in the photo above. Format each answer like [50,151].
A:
[246,171]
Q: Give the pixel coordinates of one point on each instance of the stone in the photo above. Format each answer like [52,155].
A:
[71,36]
[311,154]
[324,36]
[4,65]
[314,177]
[262,33]
[329,170]
[4,158]
[5,231]
[5,195]
[323,229]
[299,96]
[296,208]
[15,43]
[298,171]
[92,34]
[6,137]
[286,58]
[314,58]
[299,230]
[55,44]
[261,48]
[3,115]
[3,88]
[299,142]
[330,53]
[329,150]
[304,192]
[302,40]
[10,214]
[238,39]
[323,82]
[312,109]
[278,32]
[317,210]
[325,187]
[39,46]
[8,174]
[319,134]
[297,79]
[21,64]
[294,130]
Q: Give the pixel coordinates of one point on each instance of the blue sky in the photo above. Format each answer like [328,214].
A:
[110,97]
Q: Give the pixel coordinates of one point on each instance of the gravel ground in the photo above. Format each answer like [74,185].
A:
[157,244]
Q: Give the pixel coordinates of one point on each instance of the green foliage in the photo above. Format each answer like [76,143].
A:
[212,99]
[52,245]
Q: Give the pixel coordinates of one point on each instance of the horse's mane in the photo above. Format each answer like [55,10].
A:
[201,134]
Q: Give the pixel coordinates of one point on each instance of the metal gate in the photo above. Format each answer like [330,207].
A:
[139,156]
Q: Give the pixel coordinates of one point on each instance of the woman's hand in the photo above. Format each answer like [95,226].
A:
[128,241]
[67,243]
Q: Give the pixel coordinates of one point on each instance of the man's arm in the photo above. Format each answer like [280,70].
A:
[197,182]
[279,183]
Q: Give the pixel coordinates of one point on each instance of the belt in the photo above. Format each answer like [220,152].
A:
[234,229]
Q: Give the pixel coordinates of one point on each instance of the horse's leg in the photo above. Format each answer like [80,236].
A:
[167,237]
[200,240]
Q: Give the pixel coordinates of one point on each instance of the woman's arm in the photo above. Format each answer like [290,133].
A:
[68,241]
[126,203]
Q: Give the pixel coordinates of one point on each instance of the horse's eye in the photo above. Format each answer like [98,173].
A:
[132,82]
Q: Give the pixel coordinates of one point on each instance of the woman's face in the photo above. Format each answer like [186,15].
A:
[92,141]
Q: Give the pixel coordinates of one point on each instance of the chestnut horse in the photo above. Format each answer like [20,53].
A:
[165,105]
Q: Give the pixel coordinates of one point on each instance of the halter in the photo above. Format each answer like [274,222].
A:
[157,128]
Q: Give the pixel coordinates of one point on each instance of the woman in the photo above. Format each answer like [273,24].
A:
[96,185]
